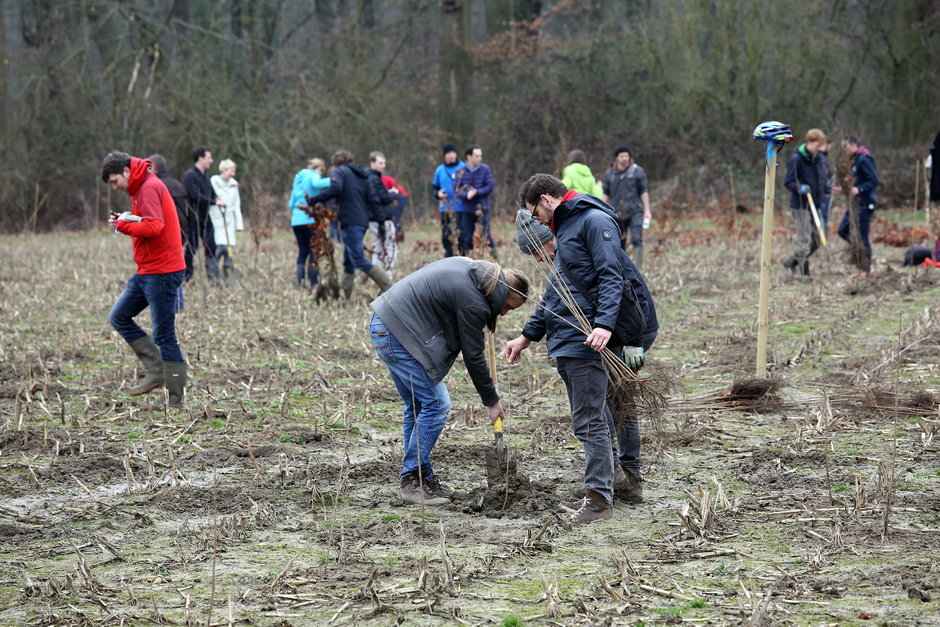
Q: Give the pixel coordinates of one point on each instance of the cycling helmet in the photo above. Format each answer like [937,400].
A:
[776,132]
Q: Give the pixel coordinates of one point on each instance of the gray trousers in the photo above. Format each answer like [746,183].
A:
[807,236]
[586,383]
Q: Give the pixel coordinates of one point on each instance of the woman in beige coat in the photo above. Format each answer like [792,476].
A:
[227,220]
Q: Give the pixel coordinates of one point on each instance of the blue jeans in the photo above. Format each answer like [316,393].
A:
[354,257]
[426,402]
[824,212]
[864,223]
[160,293]
[586,382]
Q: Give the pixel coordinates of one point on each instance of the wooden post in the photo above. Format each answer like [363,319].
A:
[765,248]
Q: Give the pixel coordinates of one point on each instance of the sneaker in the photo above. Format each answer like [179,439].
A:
[413,492]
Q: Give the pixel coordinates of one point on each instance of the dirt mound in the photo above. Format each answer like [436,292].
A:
[200,500]
[734,351]
[520,499]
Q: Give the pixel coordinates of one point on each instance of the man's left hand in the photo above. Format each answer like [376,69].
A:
[471,193]
[598,339]
[634,357]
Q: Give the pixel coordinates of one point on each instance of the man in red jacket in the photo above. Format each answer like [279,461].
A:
[154,229]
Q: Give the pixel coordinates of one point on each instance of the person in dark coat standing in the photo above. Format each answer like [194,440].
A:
[864,192]
[473,185]
[181,200]
[933,162]
[589,252]
[419,327]
[349,185]
[554,320]
[806,174]
[201,197]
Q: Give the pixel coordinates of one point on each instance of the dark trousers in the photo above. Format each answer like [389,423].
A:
[354,257]
[447,222]
[864,223]
[306,260]
[586,383]
[631,227]
[466,225]
[160,293]
[201,226]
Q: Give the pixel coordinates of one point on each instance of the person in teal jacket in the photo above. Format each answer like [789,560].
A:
[578,176]
[306,183]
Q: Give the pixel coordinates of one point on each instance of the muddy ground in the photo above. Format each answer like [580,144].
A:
[270,500]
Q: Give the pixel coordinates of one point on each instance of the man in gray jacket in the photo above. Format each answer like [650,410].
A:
[419,326]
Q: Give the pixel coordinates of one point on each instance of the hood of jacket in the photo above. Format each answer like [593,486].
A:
[574,203]
[140,168]
[493,287]
[579,169]
[862,150]
[358,170]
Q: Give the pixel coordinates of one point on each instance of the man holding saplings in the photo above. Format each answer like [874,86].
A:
[591,272]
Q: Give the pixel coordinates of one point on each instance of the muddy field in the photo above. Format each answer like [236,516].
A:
[270,500]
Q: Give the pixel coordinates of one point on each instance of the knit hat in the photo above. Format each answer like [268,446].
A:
[530,235]
[622,148]
[449,148]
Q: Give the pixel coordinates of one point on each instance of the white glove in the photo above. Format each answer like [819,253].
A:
[127,216]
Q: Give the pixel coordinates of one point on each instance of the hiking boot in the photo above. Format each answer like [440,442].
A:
[434,486]
[149,355]
[629,488]
[593,507]
[413,492]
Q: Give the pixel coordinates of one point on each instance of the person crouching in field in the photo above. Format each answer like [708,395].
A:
[154,229]
[418,327]
[807,173]
[613,296]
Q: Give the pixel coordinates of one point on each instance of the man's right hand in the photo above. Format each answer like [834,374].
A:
[441,194]
[495,411]
[515,347]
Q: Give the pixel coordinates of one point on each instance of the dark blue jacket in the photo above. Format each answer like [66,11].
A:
[588,246]
[804,168]
[481,180]
[386,199]
[866,177]
[349,185]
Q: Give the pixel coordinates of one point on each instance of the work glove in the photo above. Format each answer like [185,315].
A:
[804,189]
[634,357]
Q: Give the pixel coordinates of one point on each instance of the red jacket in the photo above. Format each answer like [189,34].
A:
[158,247]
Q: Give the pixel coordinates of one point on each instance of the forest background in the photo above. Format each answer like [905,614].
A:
[270,83]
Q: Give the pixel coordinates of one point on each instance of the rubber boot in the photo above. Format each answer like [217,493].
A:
[593,507]
[174,375]
[348,281]
[149,355]
[638,257]
[381,279]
